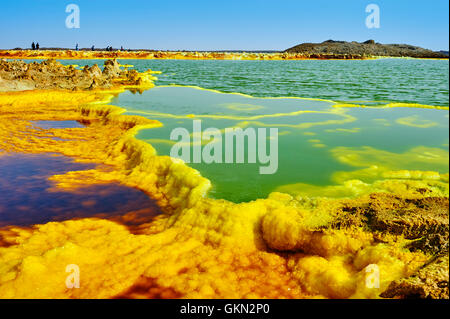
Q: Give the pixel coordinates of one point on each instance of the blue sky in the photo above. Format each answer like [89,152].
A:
[220,25]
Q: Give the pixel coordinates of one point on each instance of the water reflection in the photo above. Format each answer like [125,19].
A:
[25,198]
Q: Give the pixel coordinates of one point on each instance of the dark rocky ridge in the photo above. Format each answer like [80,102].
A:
[368,48]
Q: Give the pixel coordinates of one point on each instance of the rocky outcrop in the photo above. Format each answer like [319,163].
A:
[423,221]
[50,74]
[368,48]
[430,282]
[111,69]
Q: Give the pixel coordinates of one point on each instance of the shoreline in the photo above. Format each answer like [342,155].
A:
[236,240]
[181,55]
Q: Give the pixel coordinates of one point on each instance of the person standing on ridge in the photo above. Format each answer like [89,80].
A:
[76,47]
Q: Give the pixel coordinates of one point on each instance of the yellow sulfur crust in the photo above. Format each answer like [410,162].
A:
[70,54]
[278,247]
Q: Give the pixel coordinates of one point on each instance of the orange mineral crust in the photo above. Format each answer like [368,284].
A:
[277,247]
[183,55]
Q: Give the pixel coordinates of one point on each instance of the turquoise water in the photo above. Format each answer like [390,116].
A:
[316,140]
[401,80]
[318,143]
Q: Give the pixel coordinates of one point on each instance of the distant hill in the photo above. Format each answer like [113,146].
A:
[367,48]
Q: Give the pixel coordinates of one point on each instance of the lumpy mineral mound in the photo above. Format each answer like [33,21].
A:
[50,74]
